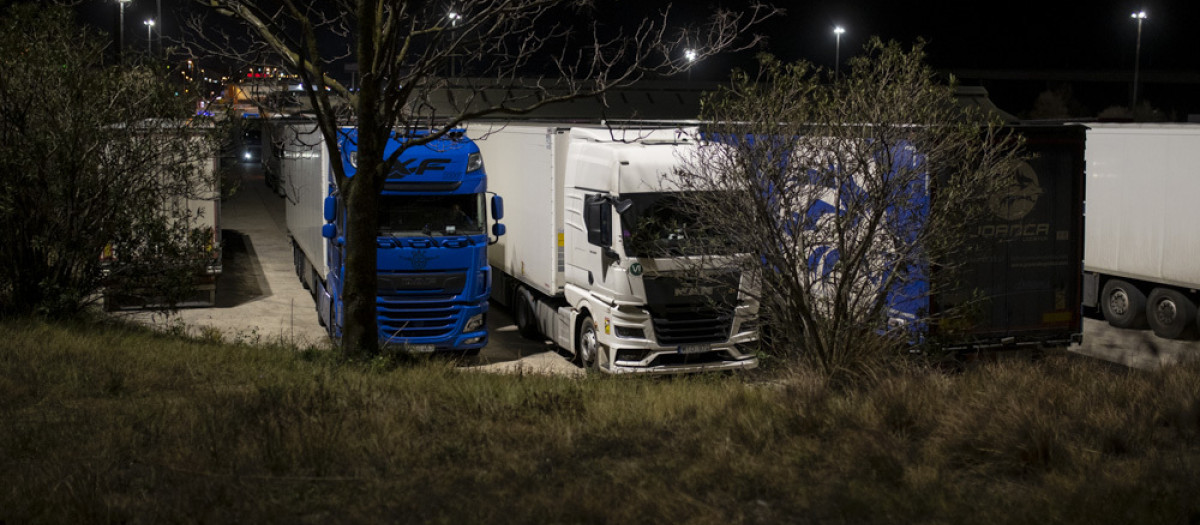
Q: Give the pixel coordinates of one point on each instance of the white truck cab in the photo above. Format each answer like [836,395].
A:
[590,210]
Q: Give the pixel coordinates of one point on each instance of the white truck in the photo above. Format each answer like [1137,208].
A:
[572,267]
[1141,257]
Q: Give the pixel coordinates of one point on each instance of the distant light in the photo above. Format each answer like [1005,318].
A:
[149,23]
[1139,14]
[690,54]
[838,30]
[454,17]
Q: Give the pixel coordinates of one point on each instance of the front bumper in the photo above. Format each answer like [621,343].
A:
[454,340]
[645,355]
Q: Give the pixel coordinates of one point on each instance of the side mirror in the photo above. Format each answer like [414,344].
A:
[497,207]
[330,210]
[497,230]
[623,206]
[329,231]
[597,218]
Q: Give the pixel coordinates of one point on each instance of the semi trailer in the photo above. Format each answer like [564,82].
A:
[1141,262]
[572,270]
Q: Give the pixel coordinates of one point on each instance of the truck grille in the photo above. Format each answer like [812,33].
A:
[423,283]
[411,316]
[677,325]
[691,311]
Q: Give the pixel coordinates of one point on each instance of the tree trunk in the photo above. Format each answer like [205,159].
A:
[360,330]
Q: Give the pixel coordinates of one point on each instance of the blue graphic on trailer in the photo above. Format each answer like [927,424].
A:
[842,196]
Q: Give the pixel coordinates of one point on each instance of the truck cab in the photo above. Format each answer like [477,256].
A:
[431,247]
[592,258]
[633,281]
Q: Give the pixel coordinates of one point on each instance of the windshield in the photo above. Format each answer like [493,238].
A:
[412,215]
[658,225]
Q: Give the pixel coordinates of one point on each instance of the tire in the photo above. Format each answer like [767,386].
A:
[314,279]
[299,262]
[526,321]
[587,345]
[1171,314]
[1123,305]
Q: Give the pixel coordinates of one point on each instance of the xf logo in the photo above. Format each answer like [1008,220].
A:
[426,165]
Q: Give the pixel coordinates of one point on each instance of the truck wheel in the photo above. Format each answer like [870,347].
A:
[587,344]
[298,262]
[1171,314]
[1124,306]
[526,321]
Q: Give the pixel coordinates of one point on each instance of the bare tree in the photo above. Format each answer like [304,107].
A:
[852,193]
[404,50]
[98,165]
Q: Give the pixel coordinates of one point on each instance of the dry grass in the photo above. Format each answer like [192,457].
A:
[116,424]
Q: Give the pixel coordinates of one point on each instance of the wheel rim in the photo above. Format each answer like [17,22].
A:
[587,344]
[1166,312]
[1118,302]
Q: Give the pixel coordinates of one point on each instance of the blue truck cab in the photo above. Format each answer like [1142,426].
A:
[433,274]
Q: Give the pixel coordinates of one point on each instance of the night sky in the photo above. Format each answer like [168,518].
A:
[1015,34]
[1051,35]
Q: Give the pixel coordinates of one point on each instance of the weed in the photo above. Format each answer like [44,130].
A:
[112,422]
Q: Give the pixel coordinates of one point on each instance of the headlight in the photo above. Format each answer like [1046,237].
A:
[474,162]
[629,332]
[474,323]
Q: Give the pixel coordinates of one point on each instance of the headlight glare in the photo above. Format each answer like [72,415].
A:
[474,323]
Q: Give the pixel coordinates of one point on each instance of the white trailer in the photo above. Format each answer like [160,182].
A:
[1141,257]
[305,176]
[197,205]
[568,270]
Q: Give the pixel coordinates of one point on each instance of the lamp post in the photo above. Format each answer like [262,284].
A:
[454,17]
[1137,54]
[149,38]
[837,53]
[121,33]
[690,55]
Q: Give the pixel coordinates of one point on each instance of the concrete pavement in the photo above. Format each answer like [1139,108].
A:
[260,299]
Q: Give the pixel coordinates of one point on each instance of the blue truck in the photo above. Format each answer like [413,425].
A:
[434,279]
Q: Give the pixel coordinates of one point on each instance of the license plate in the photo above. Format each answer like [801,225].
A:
[693,349]
[420,348]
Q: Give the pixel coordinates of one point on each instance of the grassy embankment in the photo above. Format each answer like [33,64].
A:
[119,424]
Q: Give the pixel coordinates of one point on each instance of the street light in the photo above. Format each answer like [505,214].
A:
[454,17]
[149,39]
[691,56]
[1137,54]
[837,52]
[121,33]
